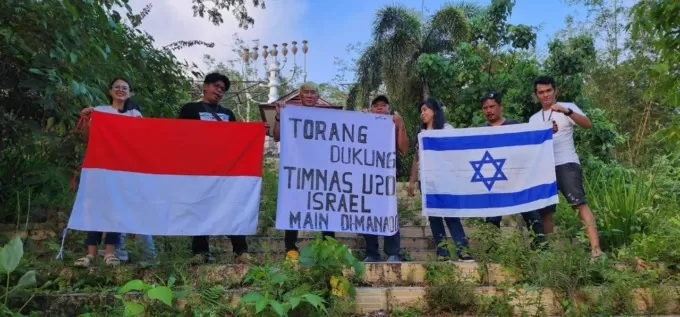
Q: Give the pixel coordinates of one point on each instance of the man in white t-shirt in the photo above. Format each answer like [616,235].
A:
[567,164]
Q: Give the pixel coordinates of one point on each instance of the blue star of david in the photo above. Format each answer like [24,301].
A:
[488,181]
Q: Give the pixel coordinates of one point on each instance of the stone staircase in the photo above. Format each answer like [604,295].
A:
[385,288]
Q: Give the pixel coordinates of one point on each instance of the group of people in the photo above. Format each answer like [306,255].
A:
[540,222]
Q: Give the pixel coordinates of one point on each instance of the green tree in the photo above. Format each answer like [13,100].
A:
[658,20]
[56,57]
[399,39]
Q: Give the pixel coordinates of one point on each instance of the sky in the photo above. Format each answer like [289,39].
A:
[328,25]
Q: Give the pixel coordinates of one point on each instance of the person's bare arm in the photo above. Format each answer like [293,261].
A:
[579,119]
[277,124]
[277,131]
[85,127]
[414,175]
[402,137]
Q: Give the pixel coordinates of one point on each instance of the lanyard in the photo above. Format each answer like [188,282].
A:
[543,115]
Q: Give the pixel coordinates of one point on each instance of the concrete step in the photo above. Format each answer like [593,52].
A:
[231,275]
[479,301]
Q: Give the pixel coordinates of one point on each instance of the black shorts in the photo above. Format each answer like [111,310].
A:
[570,183]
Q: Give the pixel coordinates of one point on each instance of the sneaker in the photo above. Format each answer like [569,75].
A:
[371,259]
[393,259]
[245,258]
[292,256]
[466,258]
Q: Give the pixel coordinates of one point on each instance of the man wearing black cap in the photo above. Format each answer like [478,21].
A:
[381,105]
[493,111]
[214,87]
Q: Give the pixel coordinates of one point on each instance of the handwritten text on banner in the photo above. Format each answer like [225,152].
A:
[337,172]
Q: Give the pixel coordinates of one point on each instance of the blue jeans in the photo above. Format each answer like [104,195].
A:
[439,233]
[391,247]
[147,241]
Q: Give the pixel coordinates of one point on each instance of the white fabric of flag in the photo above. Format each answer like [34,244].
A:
[487,171]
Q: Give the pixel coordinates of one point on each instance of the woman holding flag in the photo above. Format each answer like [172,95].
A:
[432,117]
[121,104]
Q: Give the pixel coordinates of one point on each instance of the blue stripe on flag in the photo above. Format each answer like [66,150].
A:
[487,141]
[498,200]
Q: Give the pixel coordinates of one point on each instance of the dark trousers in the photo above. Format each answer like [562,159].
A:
[95,238]
[391,246]
[291,237]
[533,222]
[439,233]
[201,244]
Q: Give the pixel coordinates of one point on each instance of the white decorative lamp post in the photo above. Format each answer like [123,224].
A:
[273,66]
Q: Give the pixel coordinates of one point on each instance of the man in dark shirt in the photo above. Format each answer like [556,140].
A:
[493,111]
[381,105]
[208,109]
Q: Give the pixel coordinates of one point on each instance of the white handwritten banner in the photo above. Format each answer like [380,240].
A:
[337,172]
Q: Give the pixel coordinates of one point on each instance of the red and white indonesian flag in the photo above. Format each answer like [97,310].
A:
[170,177]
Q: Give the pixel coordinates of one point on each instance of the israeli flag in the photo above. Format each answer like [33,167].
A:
[487,171]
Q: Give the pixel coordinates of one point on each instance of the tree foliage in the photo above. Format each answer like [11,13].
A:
[55,58]
[236,7]
[658,20]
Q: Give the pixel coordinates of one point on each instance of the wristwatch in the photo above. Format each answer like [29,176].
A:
[277,118]
[569,112]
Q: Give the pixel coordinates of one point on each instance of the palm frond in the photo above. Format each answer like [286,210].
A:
[470,9]
[448,27]
[391,19]
[369,76]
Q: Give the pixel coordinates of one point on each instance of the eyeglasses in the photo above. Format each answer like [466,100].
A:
[120,87]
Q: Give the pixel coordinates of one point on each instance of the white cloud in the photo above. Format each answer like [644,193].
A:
[173,20]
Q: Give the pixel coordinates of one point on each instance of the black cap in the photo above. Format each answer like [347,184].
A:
[497,96]
[379,98]
[215,77]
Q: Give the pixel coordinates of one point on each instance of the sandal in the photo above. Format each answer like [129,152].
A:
[85,261]
[111,260]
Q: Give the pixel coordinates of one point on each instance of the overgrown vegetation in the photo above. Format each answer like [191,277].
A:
[58,56]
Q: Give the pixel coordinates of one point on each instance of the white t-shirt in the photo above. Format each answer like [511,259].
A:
[563,140]
[109,109]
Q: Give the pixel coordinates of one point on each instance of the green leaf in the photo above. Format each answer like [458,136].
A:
[314,299]
[36,71]
[260,306]
[75,87]
[27,280]
[171,281]
[252,297]
[161,293]
[11,255]
[133,308]
[294,301]
[134,285]
[277,308]
[74,57]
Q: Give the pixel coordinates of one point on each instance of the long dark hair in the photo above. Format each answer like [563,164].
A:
[129,104]
[438,118]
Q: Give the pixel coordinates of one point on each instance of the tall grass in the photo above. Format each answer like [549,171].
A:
[623,203]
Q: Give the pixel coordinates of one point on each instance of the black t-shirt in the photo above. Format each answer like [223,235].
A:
[505,122]
[203,111]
